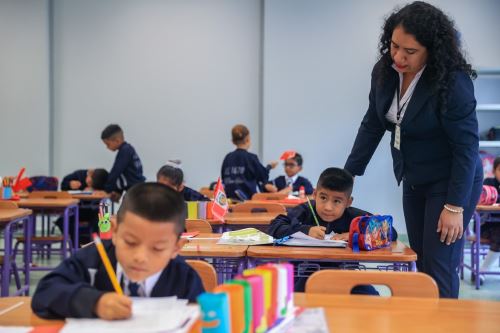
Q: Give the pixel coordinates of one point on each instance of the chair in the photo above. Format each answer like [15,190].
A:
[250,207]
[198,225]
[341,282]
[269,196]
[206,272]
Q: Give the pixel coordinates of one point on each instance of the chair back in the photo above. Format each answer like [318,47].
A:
[8,205]
[49,195]
[198,225]
[341,282]
[269,196]
[206,272]
[250,207]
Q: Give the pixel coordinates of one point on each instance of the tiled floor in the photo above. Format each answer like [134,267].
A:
[490,290]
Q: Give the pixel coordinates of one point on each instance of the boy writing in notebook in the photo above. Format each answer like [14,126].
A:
[332,208]
[127,168]
[291,181]
[143,252]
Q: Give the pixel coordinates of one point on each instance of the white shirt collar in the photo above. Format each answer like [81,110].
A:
[145,286]
[291,179]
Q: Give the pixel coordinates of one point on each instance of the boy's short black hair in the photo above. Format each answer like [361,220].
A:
[175,175]
[496,163]
[99,179]
[110,131]
[336,179]
[155,202]
[298,158]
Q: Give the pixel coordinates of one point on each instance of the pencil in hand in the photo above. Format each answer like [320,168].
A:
[107,264]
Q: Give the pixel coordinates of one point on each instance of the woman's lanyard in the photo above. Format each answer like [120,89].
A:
[397,134]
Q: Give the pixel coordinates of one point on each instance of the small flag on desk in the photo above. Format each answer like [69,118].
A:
[220,206]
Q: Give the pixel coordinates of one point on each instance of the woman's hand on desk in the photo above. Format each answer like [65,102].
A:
[450,225]
[317,232]
[112,306]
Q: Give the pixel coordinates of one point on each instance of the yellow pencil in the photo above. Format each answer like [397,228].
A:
[107,264]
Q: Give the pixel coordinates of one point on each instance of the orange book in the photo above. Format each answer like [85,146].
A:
[236,296]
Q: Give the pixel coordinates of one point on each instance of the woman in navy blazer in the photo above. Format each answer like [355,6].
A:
[421,91]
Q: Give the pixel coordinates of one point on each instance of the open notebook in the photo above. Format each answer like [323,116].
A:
[301,239]
[149,315]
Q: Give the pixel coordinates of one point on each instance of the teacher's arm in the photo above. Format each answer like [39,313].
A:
[459,123]
[369,135]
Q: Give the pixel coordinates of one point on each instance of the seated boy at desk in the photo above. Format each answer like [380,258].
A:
[332,207]
[172,175]
[84,180]
[143,252]
[292,181]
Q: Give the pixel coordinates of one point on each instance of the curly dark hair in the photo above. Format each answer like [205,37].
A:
[434,30]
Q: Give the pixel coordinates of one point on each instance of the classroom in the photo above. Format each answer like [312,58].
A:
[306,81]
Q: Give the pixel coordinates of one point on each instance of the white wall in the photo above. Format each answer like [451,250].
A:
[24,81]
[318,59]
[176,75]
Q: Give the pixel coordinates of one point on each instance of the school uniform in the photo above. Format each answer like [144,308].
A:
[79,175]
[73,288]
[300,218]
[436,157]
[86,213]
[243,173]
[126,170]
[297,181]
[191,195]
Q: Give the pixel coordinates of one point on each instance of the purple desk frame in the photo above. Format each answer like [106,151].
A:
[225,267]
[67,212]
[475,251]
[27,222]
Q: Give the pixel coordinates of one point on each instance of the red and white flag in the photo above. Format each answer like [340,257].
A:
[220,206]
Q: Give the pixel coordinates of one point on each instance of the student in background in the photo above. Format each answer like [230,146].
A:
[491,231]
[89,180]
[127,168]
[85,179]
[332,207]
[171,175]
[291,182]
[242,173]
[143,252]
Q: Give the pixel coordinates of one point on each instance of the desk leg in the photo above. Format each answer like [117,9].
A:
[27,224]
[413,266]
[65,232]
[477,249]
[6,260]
[76,214]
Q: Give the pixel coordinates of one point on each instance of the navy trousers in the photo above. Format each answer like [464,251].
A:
[422,205]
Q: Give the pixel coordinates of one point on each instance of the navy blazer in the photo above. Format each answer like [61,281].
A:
[73,288]
[280,183]
[126,170]
[434,145]
[80,175]
[191,195]
[300,218]
[242,171]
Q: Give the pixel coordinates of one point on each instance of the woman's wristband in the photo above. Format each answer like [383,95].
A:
[459,210]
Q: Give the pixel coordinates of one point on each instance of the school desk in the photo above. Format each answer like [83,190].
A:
[284,202]
[93,199]
[396,257]
[45,207]
[237,221]
[228,260]
[10,220]
[346,313]
[481,214]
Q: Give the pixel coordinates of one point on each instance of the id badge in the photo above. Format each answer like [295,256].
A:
[397,137]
